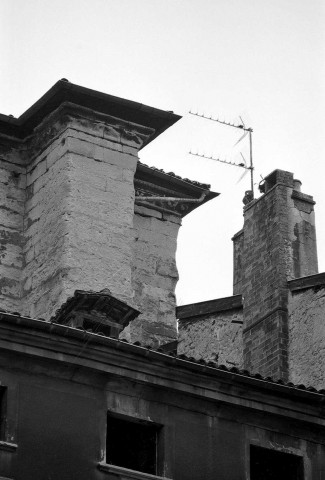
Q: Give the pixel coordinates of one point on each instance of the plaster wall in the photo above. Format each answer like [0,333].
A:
[307,337]
[57,415]
[214,337]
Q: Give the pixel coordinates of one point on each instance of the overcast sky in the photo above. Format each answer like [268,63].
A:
[264,59]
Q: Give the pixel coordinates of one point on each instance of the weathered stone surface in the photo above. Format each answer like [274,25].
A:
[306,346]
[12,199]
[214,337]
[66,209]
[277,244]
[238,271]
[154,277]
[68,221]
[147,212]
[83,212]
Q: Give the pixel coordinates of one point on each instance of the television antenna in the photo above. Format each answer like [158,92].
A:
[247,131]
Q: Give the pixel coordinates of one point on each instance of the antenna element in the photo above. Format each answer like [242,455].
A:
[241,126]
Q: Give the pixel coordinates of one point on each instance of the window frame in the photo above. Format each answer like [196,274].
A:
[283,444]
[130,473]
[8,417]
[282,452]
[145,422]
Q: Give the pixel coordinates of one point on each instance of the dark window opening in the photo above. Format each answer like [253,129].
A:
[266,464]
[3,408]
[131,444]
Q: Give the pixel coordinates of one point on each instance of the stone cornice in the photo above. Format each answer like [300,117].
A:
[303,283]
[64,91]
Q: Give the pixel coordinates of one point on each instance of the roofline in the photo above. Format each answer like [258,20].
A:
[209,307]
[189,187]
[311,281]
[64,91]
[207,369]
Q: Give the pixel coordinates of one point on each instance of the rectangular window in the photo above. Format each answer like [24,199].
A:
[132,444]
[267,464]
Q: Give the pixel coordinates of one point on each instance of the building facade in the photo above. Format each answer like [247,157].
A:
[96,380]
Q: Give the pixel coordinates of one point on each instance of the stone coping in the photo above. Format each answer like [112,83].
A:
[185,312]
[303,283]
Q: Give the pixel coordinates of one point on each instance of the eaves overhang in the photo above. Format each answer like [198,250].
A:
[64,91]
[185,195]
[316,281]
[66,345]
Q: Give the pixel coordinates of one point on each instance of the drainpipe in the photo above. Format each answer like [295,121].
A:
[173,199]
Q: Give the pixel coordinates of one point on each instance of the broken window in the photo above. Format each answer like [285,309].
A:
[132,444]
[2,412]
[267,464]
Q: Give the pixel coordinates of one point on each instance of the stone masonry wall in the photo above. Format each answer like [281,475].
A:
[307,337]
[154,276]
[238,246]
[278,243]
[214,337]
[302,229]
[67,208]
[79,213]
[265,283]
[12,201]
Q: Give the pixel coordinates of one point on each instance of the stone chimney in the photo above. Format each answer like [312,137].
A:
[276,244]
[69,220]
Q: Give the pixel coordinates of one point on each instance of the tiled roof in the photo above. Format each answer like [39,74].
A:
[182,359]
[205,186]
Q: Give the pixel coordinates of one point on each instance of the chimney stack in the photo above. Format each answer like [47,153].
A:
[276,244]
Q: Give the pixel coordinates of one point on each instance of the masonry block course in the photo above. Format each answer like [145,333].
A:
[69,218]
[12,202]
[277,244]
[80,211]
[238,245]
[154,277]
[67,209]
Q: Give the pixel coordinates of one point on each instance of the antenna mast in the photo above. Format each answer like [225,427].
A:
[248,131]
